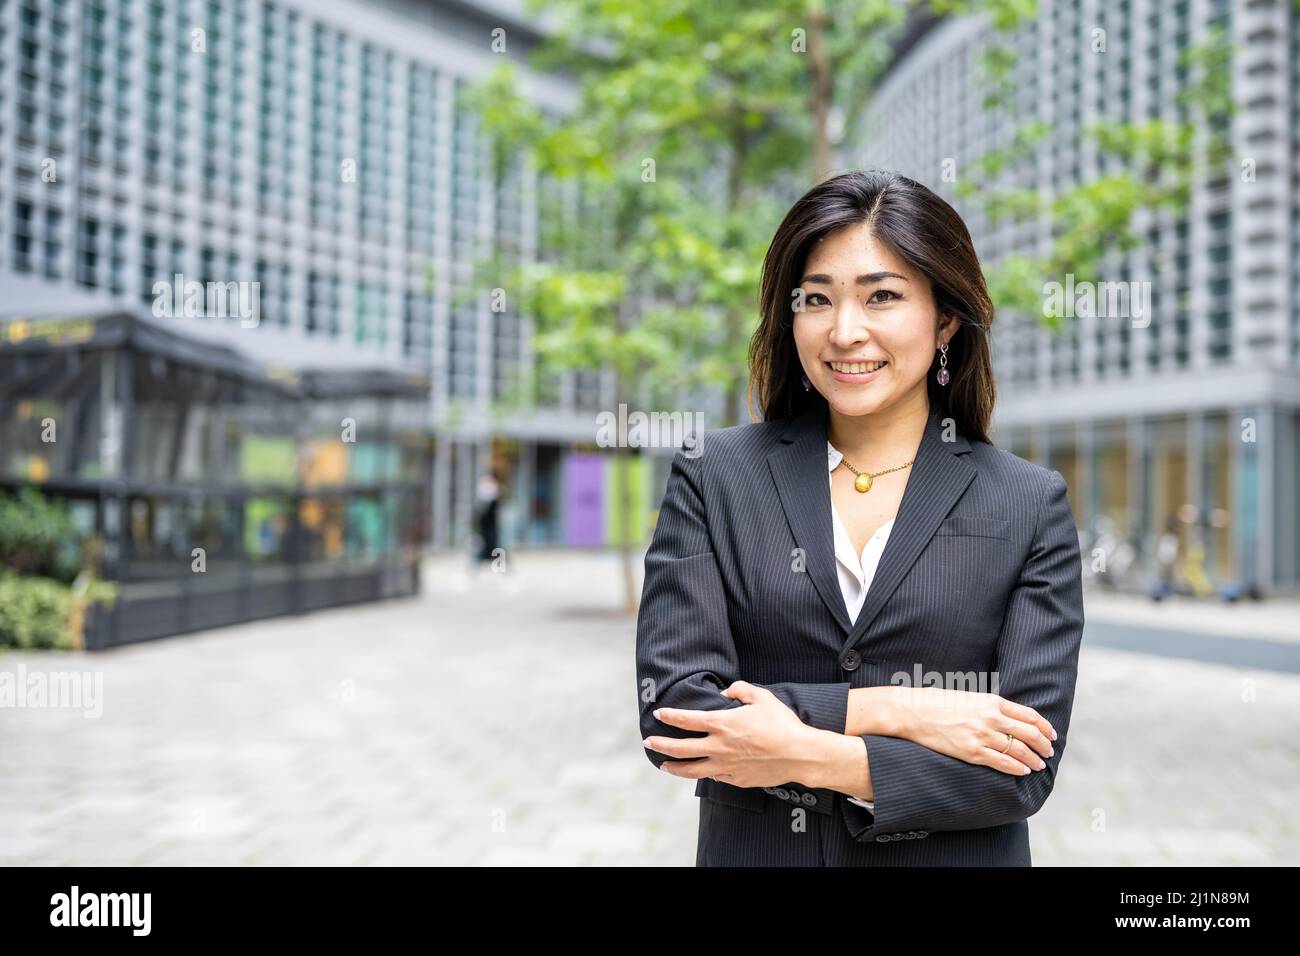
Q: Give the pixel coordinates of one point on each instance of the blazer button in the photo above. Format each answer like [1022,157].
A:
[810,799]
[882,838]
[783,793]
[769,789]
[850,660]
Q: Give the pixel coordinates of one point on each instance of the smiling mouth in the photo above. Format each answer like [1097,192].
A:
[856,368]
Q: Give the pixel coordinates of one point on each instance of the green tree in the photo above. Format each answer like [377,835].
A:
[693,123]
[1148,165]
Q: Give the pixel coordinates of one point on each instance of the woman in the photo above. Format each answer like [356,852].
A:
[792,624]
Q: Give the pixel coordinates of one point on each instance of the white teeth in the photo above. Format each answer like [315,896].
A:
[857,368]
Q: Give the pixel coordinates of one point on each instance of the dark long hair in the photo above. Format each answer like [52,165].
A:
[925,232]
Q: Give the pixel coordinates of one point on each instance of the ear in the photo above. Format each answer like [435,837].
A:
[951,325]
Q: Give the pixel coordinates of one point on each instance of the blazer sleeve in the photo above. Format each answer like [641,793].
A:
[915,788]
[685,653]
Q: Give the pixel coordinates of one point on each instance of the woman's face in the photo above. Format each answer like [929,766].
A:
[862,304]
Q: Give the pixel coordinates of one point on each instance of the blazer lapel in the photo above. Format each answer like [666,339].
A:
[939,476]
[799,469]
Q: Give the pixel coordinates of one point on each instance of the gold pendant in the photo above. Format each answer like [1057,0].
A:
[862,483]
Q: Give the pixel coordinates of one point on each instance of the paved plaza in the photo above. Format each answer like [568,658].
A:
[493,722]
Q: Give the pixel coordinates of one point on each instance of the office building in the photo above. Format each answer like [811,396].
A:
[1186,420]
[318,149]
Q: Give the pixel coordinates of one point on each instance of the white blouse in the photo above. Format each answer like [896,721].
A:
[855,571]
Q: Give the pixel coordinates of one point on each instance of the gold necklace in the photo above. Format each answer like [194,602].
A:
[863,480]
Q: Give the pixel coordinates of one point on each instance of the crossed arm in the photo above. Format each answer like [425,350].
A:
[686,658]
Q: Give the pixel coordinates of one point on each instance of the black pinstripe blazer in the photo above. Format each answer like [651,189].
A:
[980,575]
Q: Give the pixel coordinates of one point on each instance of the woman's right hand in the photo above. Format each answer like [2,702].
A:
[973,727]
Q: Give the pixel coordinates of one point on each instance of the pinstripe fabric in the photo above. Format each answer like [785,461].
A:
[981,575]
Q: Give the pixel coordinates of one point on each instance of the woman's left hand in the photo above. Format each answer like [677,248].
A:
[763,744]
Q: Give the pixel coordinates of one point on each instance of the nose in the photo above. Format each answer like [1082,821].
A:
[849,325]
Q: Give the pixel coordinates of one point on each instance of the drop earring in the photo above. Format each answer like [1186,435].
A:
[943,364]
[806,384]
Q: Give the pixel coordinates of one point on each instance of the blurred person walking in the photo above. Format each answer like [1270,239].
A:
[486,525]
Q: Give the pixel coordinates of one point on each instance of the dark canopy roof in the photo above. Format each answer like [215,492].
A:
[203,343]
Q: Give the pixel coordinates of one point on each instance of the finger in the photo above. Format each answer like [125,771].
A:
[742,691]
[1017,751]
[686,719]
[1026,756]
[1029,733]
[678,746]
[1029,716]
[1004,763]
[691,769]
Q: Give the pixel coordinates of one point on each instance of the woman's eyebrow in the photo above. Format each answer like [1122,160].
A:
[820,278]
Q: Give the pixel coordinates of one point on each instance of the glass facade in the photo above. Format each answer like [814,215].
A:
[166,450]
[319,149]
[1176,431]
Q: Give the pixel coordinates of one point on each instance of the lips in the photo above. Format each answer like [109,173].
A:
[859,367]
[856,377]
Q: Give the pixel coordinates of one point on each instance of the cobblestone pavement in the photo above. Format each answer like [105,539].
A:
[494,723]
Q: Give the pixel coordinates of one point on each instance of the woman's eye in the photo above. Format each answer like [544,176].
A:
[818,299]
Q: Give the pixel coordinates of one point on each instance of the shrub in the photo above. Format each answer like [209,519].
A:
[43,614]
[37,537]
[34,612]
[44,594]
